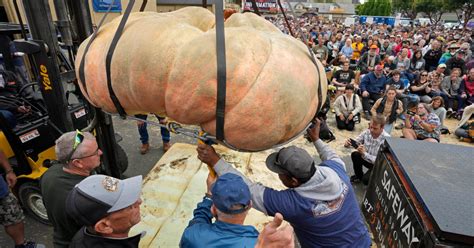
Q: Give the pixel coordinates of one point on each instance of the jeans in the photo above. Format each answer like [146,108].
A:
[9,117]
[366,100]
[388,127]
[406,98]
[357,163]
[450,100]
[142,130]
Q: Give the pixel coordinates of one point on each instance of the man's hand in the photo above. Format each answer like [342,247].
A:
[207,154]
[365,93]
[313,132]
[11,179]
[361,149]
[274,237]
[23,109]
[347,143]
[350,117]
[464,95]
[416,117]
[341,116]
[210,181]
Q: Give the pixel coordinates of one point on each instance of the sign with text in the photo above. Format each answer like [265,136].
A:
[388,212]
[263,5]
[103,5]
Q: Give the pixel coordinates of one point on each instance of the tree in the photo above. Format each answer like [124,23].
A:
[433,9]
[406,7]
[464,9]
[374,8]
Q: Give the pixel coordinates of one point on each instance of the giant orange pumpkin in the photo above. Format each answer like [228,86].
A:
[165,63]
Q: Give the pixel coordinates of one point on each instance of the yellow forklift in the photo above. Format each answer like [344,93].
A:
[56,103]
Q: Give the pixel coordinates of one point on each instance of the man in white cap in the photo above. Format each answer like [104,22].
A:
[107,208]
[319,203]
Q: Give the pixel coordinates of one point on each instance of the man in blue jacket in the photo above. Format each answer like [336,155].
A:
[319,203]
[372,87]
[229,200]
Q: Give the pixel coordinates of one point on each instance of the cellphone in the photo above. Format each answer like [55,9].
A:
[354,143]
[410,112]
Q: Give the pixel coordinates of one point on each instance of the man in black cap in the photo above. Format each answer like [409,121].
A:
[107,208]
[228,200]
[320,203]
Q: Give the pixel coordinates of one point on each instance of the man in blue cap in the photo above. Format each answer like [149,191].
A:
[228,200]
[319,203]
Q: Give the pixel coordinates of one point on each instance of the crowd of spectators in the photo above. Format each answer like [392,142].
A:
[416,64]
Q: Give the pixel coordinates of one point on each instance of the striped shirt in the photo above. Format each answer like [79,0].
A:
[371,145]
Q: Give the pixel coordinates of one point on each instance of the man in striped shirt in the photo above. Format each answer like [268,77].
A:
[369,142]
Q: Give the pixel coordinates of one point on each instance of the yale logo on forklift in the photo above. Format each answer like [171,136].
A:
[29,136]
[45,77]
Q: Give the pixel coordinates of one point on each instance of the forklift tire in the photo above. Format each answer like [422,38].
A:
[31,199]
[122,159]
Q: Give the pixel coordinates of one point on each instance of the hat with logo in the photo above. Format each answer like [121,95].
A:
[98,195]
[230,194]
[292,161]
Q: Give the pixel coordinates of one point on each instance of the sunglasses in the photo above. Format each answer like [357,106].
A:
[78,138]
[95,153]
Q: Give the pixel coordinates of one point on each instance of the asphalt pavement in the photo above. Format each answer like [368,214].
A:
[137,165]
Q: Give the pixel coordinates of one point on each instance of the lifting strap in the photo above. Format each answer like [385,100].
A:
[110,53]
[255,7]
[221,71]
[142,8]
[305,40]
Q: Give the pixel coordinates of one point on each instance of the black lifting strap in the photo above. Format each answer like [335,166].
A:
[221,71]
[142,8]
[255,7]
[81,65]
[108,59]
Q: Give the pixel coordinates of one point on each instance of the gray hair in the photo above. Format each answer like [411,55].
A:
[428,107]
[65,143]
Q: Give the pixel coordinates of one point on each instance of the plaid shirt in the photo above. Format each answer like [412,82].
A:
[371,145]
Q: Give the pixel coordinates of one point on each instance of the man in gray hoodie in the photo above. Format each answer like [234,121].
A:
[319,203]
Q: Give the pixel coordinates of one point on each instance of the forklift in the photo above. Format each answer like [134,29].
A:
[57,105]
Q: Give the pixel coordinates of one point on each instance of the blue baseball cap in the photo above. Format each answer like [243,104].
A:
[230,194]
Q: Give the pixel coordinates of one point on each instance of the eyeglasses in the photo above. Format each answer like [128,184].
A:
[78,138]
[96,152]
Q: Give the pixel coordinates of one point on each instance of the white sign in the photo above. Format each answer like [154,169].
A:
[370,20]
[29,136]
[80,113]
[349,21]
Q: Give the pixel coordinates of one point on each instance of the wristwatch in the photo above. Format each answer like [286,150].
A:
[208,196]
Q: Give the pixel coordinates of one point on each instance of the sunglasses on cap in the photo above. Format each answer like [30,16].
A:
[78,138]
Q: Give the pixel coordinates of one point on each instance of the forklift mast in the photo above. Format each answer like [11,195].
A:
[75,25]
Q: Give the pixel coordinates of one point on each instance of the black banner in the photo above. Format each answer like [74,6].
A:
[387,210]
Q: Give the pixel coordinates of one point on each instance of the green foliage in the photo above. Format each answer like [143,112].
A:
[406,7]
[374,8]
[433,9]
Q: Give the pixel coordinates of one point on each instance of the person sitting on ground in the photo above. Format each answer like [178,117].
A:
[437,103]
[372,87]
[466,89]
[465,128]
[369,143]
[228,200]
[78,155]
[347,49]
[423,124]
[347,108]
[11,214]
[342,78]
[417,63]
[422,87]
[450,52]
[106,208]
[369,60]
[389,66]
[319,203]
[450,91]
[457,61]
[389,106]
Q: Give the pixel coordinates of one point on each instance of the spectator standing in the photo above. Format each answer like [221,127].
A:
[11,214]
[372,87]
[144,137]
[320,203]
[106,208]
[347,108]
[369,144]
[78,154]
[227,199]
[389,107]
[422,124]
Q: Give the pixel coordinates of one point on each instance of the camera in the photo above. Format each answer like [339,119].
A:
[411,113]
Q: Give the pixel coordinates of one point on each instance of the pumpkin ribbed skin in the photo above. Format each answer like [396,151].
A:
[165,63]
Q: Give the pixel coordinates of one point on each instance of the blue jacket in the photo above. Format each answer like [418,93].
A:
[372,84]
[201,232]
[324,211]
